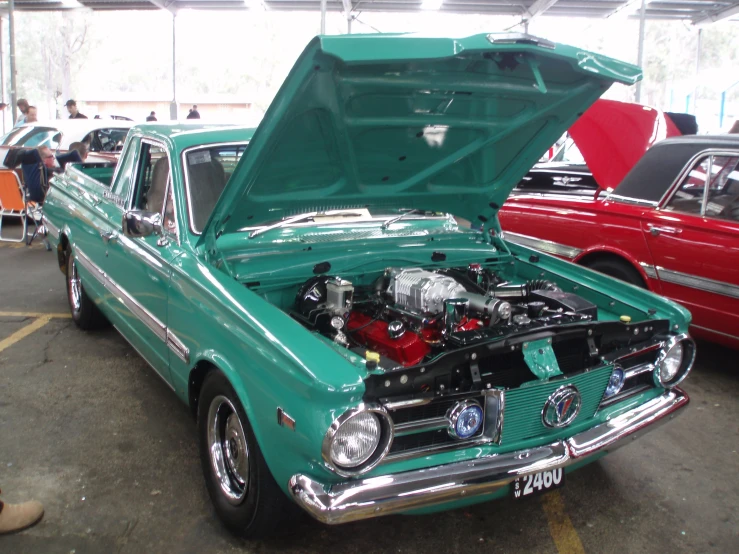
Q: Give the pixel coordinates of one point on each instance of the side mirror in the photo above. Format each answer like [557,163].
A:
[140,223]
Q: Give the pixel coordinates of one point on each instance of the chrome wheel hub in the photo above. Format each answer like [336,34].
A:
[229,451]
[74,287]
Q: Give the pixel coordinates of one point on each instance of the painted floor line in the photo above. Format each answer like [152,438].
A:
[563,533]
[35,314]
[23,332]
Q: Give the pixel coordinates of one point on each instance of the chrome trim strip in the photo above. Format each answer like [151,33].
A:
[178,347]
[700,283]
[630,200]
[714,331]
[400,492]
[50,227]
[406,403]
[638,370]
[649,269]
[446,447]
[540,244]
[146,317]
[420,426]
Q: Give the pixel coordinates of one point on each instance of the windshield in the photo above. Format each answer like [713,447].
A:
[33,136]
[207,171]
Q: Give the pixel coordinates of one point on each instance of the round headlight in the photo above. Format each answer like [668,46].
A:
[675,361]
[615,383]
[356,440]
[670,365]
[465,419]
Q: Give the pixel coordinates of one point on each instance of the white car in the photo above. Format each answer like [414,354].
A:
[101,135]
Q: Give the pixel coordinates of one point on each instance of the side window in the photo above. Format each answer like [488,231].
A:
[723,193]
[689,197]
[152,177]
[122,186]
[111,140]
[710,189]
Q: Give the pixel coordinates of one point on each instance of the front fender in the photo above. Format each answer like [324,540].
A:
[270,360]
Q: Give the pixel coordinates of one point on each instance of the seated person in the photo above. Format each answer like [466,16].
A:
[81,148]
[38,165]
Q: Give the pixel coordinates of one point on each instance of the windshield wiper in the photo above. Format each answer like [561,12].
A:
[397,218]
[302,217]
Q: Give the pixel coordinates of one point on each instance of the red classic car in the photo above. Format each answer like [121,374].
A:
[671,225]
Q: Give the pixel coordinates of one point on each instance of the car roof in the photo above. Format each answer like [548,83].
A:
[660,166]
[181,136]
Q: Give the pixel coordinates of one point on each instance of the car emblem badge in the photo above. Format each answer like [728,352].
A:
[562,407]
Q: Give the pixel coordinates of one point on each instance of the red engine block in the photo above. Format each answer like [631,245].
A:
[408,350]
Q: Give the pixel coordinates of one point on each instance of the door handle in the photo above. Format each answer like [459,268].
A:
[109,236]
[656,230]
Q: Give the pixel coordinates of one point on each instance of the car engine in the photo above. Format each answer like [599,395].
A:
[409,315]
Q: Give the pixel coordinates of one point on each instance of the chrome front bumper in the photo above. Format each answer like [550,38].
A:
[401,492]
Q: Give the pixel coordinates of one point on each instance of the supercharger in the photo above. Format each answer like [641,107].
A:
[422,291]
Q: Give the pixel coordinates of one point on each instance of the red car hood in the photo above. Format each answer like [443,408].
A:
[612,136]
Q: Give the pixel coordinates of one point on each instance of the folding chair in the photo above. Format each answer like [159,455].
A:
[35,181]
[12,203]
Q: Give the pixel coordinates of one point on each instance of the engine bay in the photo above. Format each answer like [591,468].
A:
[410,315]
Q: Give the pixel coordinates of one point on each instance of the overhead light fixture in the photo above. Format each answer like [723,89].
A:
[72,4]
[431,4]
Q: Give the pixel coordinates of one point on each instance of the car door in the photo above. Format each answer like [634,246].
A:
[138,269]
[694,241]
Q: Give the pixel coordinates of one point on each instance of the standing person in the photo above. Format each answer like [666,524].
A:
[151,117]
[73,111]
[31,114]
[194,113]
[15,517]
[23,107]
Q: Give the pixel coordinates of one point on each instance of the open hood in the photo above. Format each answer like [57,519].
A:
[403,121]
[612,136]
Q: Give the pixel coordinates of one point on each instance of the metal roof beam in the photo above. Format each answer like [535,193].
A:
[717,16]
[538,8]
[165,5]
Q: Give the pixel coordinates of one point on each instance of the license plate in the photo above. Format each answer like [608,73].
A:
[538,483]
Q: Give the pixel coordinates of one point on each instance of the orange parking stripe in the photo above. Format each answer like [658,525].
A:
[563,533]
[23,332]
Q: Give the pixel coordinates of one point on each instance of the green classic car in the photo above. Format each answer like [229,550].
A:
[331,295]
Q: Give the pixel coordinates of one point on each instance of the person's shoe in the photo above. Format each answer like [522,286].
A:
[16,517]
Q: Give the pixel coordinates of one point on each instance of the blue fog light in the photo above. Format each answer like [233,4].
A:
[615,383]
[465,419]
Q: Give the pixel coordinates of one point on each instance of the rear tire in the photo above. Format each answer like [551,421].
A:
[618,269]
[245,496]
[86,315]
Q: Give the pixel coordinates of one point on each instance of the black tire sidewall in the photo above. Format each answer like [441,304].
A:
[240,519]
[618,270]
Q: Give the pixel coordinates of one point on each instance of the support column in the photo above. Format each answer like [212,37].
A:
[640,51]
[697,71]
[11,38]
[2,71]
[323,17]
[173,105]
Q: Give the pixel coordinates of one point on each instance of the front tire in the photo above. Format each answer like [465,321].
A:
[619,270]
[86,315]
[244,494]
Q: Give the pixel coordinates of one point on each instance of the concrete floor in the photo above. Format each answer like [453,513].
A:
[87,428]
